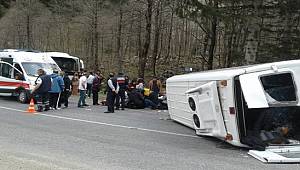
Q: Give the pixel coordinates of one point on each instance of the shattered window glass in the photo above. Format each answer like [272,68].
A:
[279,88]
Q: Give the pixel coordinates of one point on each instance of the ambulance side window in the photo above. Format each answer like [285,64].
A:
[19,68]
[17,74]
[6,70]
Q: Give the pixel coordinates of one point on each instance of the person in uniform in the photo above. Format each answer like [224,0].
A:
[112,91]
[40,91]
[121,94]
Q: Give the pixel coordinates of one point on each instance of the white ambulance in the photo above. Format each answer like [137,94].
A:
[245,106]
[18,71]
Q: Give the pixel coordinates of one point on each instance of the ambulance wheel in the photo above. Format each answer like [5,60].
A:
[196,120]
[23,98]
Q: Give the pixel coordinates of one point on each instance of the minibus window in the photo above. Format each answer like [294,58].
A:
[68,65]
[279,88]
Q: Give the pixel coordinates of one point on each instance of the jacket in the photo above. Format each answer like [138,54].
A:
[46,84]
[67,83]
[57,84]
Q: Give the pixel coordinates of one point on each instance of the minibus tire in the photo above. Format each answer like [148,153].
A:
[23,97]
[196,120]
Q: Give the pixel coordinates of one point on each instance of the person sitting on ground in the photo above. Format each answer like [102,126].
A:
[135,99]
[151,99]
[140,84]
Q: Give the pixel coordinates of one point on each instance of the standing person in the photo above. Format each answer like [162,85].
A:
[75,84]
[66,92]
[112,91]
[121,94]
[82,90]
[56,88]
[155,86]
[90,83]
[96,88]
[40,91]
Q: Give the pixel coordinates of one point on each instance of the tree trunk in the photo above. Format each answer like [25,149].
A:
[170,36]
[96,37]
[213,38]
[119,48]
[28,31]
[142,61]
[156,36]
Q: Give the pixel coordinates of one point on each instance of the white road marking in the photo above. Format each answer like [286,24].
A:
[7,108]
[104,124]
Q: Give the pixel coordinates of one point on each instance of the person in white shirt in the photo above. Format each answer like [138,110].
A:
[82,90]
[90,83]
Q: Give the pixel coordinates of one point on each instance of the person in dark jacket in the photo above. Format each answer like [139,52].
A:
[56,88]
[136,99]
[112,91]
[67,90]
[40,91]
[96,87]
[121,95]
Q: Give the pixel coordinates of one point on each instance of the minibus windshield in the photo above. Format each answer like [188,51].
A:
[31,68]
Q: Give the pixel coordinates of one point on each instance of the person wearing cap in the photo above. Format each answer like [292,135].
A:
[82,90]
[40,91]
[112,91]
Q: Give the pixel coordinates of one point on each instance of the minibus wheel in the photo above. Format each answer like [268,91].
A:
[22,97]
[196,120]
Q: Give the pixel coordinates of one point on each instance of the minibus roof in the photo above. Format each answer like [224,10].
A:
[59,54]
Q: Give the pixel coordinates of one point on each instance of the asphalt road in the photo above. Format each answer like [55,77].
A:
[90,139]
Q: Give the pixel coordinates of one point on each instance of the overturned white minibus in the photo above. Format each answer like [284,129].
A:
[252,106]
